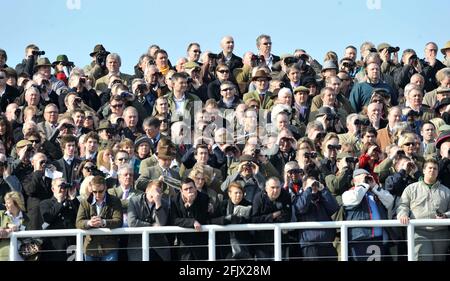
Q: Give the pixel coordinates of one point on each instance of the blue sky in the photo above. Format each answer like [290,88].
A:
[129,27]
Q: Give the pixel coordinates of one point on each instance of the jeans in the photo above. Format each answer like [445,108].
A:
[111,256]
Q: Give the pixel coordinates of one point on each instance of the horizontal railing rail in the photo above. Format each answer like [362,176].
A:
[212,229]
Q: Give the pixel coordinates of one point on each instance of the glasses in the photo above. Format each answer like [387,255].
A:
[122,159]
[267,43]
[433,50]
[295,171]
[227,89]
[98,191]
[337,147]
[163,121]
[43,162]
[196,51]
[89,168]
[223,71]
[409,144]
[34,141]
[117,105]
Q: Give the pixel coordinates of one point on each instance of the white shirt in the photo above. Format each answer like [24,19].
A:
[179,104]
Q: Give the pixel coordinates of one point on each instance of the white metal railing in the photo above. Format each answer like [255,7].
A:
[212,229]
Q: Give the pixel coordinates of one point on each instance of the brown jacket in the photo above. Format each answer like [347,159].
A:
[100,245]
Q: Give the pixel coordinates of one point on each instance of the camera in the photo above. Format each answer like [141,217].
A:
[120,120]
[290,60]
[320,136]
[315,185]
[117,81]
[125,95]
[295,171]
[368,179]
[213,56]
[230,149]
[304,57]
[257,59]
[38,53]
[17,112]
[65,185]
[311,154]
[393,49]
[364,122]
[82,80]
[100,58]
[67,126]
[78,100]
[351,160]
[349,64]
[29,148]
[331,117]
[248,165]
[282,85]
[142,88]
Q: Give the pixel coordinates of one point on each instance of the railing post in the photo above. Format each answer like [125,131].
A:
[277,243]
[211,244]
[12,247]
[344,243]
[145,246]
[410,241]
[79,245]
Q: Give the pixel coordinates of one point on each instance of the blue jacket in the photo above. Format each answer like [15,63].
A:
[315,207]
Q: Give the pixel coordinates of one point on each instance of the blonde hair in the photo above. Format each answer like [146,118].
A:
[17,198]
[85,187]
[200,169]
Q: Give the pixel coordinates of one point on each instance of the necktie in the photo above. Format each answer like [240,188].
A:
[125,194]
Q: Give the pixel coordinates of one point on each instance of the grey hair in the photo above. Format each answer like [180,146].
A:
[125,168]
[114,56]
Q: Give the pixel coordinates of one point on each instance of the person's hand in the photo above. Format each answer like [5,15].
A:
[72,193]
[197,226]
[407,59]
[276,214]
[395,58]
[393,151]
[210,208]
[418,66]
[322,120]
[60,197]
[255,168]
[384,55]
[156,196]
[404,219]
[95,221]
[371,150]
[338,125]
[22,153]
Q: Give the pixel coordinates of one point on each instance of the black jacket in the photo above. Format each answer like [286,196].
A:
[8,97]
[37,188]
[185,217]
[233,63]
[141,215]
[58,216]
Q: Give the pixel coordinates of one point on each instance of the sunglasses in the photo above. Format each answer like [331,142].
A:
[98,191]
[117,105]
[409,144]
[223,71]
[267,43]
[34,141]
[89,168]
[197,51]
[295,171]
[227,89]
[330,146]
[122,159]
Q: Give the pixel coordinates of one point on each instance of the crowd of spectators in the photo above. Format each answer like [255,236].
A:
[220,139]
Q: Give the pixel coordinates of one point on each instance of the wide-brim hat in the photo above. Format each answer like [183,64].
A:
[324,111]
[62,58]
[42,62]
[443,137]
[104,125]
[191,65]
[440,104]
[23,143]
[261,74]
[446,47]
[329,65]
[97,48]
[301,89]
[291,165]
[166,152]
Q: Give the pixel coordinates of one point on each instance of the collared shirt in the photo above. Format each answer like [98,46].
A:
[98,206]
[16,220]
[68,160]
[180,104]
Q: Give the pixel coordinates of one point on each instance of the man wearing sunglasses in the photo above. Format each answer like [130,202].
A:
[100,210]
[264,45]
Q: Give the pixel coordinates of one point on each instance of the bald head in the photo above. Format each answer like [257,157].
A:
[227,45]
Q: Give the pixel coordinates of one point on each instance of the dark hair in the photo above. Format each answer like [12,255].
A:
[7,138]
[66,139]
[151,122]
[430,161]
[188,181]
[91,135]
[201,146]
[98,180]
[369,129]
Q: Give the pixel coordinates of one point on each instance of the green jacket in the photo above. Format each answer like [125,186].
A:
[267,101]
[111,212]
